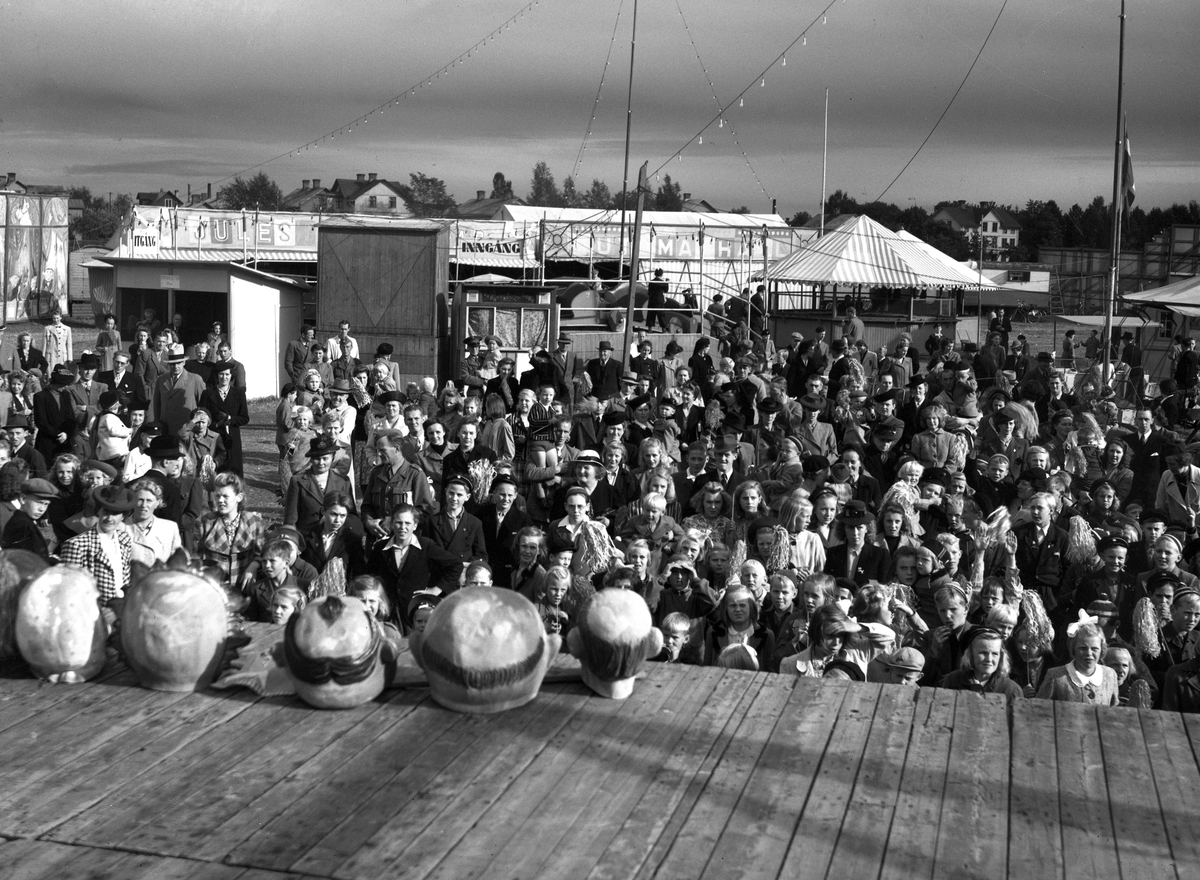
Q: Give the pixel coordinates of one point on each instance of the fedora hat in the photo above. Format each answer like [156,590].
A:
[855,513]
[116,499]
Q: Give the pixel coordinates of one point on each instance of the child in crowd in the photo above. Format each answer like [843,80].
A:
[293,457]
[274,573]
[677,637]
[781,607]
[478,574]
[285,602]
[369,590]
[717,562]
[529,574]
[554,616]
[684,593]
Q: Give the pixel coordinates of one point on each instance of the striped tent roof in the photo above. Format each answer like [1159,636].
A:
[862,251]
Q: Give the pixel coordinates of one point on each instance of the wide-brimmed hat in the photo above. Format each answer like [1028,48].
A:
[673,348]
[18,420]
[175,355]
[164,446]
[116,499]
[629,376]
[384,349]
[588,456]
[103,467]
[813,402]
[341,386]
[605,345]
[769,405]
[89,361]
[855,513]
[61,375]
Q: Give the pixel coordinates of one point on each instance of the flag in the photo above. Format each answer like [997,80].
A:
[1128,193]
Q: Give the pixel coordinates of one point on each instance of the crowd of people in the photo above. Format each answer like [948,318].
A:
[989,522]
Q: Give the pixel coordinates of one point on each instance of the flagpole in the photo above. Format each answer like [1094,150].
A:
[1114,270]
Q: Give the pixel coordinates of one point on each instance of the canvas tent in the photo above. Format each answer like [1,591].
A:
[863,252]
[1181,297]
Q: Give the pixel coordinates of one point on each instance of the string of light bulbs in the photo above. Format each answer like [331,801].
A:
[713,89]
[596,103]
[424,82]
[759,79]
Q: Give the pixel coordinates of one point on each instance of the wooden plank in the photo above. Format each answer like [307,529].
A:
[203,760]
[973,833]
[309,830]
[1176,775]
[695,840]
[862,842]
[551,779]
[1089,845]
[913,839]
[61,795]
[763,823]
[192,819]
[254,818]
[38,860]
[76,735]
[1142,846]
[48,706]
[623,779]
[45,860]
[692,757]
[816,835]
[1035,847]
[444,811]
[23,696]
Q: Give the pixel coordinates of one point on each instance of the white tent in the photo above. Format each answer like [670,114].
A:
[1181,297]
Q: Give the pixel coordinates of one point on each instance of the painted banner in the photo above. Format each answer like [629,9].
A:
[151,231]
[589,241]
[33,254]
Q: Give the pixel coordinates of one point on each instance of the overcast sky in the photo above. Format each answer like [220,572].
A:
[134,96]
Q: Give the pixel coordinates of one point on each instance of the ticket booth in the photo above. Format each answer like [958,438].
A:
[523,317]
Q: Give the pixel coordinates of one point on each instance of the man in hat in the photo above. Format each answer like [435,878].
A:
[881,458]
[726,452]
[1002,324]
[656,303]
[816,437]
[790,353]
[120,379]
[1132,356]
[54,414]
[1003,441]
[1035,384]
[803,365]
[298,354]
[590,475]
[452,528]
[27,527]
[184,498]
[176,394]
[85,392]
[306,493]
[468,368]
[566,368]
[604,373]
[22,450]
[1179,488]
[840,367]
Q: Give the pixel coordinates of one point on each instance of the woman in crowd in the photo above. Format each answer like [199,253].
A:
[227,537]
[230,412]
[153,538]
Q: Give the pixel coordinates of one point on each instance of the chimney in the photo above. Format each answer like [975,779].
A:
[304,184]
[209,196]
[371,176]
[360,177]
[316,183]
[687,197]
[479,193]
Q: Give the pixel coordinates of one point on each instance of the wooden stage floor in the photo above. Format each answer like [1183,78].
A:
[702,773]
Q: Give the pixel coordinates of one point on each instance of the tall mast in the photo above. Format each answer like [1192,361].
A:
[1111,295]
[628,130]
[824,163]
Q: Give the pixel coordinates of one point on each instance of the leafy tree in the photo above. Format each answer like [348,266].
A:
[799,218]
[841,203]
[427,196]
[742,210]
[669,196]
[598,197]
[571,198]
[100,218]
[258,193]
[544,191]
[501,186]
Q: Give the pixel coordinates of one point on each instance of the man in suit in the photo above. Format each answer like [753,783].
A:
[149,364]
[176,394]
[184,498]
[816,437]
[566,368]
[1038,550]
[605,373]
[54,414]
[85,394]
[120,379]
[1147,462]
[409,565]
[501,522]
[18,432]
[306,492]
[298,354]
[225,356]
[455,530]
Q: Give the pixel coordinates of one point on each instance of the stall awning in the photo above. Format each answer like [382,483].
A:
[496,261]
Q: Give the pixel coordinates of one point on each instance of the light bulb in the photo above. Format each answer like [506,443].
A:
[721,123]
[784,61]
[700,140]
[763,84]
[824,19]
[741,102]
[804,41]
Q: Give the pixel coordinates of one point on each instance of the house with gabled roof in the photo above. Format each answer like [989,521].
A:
[997,226]
[161,199]
[370,194]
[309,198]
